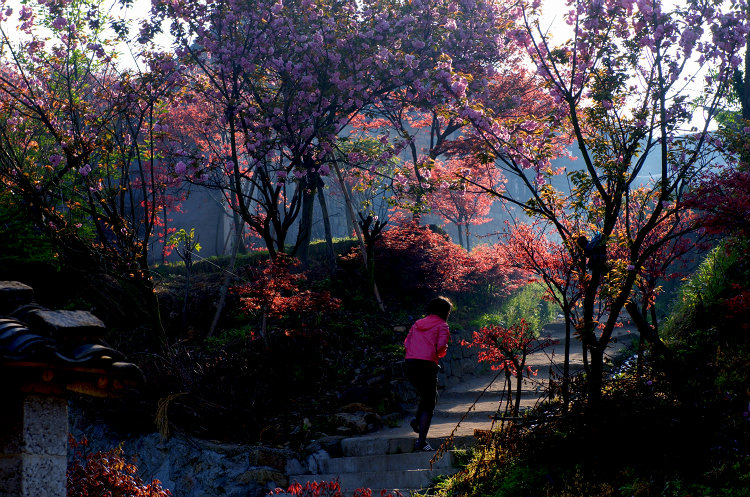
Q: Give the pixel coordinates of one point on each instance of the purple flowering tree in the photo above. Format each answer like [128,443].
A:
[288,77]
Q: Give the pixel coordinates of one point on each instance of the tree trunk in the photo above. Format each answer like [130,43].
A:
[308,186]
[166,236]
[350,222]
[330,255]
[585,353]
[744,92]
[566,360]
[645,329]
[460,235]
[186,296]
[239,229]
[146,285]
[227,277]
[519,387]
[362,246]
[596,375]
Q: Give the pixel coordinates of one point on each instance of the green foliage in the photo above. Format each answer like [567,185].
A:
[488,319]
[396,349]
[340,246]
[181,239]
[209,265]
[528,303]
[20,242]
[703,289]
[518,480]
[229,337]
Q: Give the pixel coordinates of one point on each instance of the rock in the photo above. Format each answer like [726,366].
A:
[358,422]
[294,467]
[62,324]
[356,407]
[194,467]
[331,444]
[358,394]
[447,368]
[263,476]
[468,367]
[393,419]
[376,381]
[403,391]
[455,367]
[318,462]
[270,457]
[14,294]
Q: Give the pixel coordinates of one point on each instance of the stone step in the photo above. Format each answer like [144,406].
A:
[374,445]
[386,462]
[402,480]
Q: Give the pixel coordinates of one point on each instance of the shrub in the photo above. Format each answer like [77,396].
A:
[327,489]
[106,474]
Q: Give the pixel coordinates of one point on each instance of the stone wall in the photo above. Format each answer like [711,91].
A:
[33,442]
[460,363]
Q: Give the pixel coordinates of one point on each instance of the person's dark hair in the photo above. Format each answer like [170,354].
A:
[440,306]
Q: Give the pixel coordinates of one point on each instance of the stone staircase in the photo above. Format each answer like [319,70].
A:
[384,460]
[380,463]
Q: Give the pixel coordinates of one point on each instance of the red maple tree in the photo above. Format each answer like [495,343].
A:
[506,349]
[273,292]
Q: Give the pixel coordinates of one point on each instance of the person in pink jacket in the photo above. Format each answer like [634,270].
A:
[425,344]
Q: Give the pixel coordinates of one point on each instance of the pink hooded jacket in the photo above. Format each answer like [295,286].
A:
[427,339]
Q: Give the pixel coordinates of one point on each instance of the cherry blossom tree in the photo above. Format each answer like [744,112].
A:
[619,85]
[286,78]
[78,136]
[458,200]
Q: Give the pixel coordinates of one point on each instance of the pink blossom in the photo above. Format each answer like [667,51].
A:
[59,23]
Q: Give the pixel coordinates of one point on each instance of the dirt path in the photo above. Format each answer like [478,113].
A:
[454,402]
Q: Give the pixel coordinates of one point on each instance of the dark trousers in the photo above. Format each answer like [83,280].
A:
[423,376]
